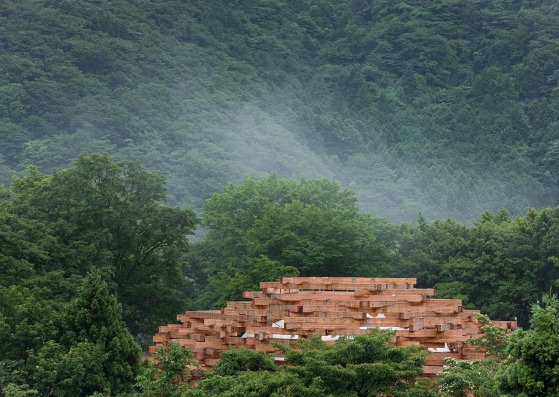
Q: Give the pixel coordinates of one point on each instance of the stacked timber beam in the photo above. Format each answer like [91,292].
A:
[300,307]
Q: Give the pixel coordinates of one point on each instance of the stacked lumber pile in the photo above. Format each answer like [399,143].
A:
[299,307]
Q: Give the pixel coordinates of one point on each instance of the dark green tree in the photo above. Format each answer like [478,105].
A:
[500,265]
[31,315]
[532,366]
[423,249]
[270,227]
[95,352]
[27,246]
[364,365]
[111,215]
[233,361]
[256,384]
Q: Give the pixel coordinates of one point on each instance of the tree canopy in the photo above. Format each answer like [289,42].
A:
[83,243]
[94,352]
[111,215]
[438,107]
[531,368]
[78,347]
[271,227]
[291,127]
[366,365]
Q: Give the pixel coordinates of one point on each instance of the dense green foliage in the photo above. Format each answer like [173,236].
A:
[360,366]
[367,365]
[234,361]
[463,378]
[60,333]
[533,362]
[467,378]
[168,374]
[445,108]
[94,352]
[500,265]
[73,349]
[109,215]
[441,107]
[270,227]
[273,227]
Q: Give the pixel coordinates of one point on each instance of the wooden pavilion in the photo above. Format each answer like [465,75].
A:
[299,307]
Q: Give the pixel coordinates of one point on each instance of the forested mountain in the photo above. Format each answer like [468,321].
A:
[314,138]
[445,107]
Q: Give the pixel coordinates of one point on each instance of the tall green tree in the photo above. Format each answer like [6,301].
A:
[532,368]
[94,352]
[27,246]
[423,249]
[31,315]
[112,216]
[270,227]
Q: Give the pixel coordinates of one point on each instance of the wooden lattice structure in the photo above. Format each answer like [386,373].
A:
[330,307]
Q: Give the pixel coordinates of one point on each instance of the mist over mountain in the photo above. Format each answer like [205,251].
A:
[442,108]
[278,127]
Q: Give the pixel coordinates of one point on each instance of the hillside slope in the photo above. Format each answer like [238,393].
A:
[441,107]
